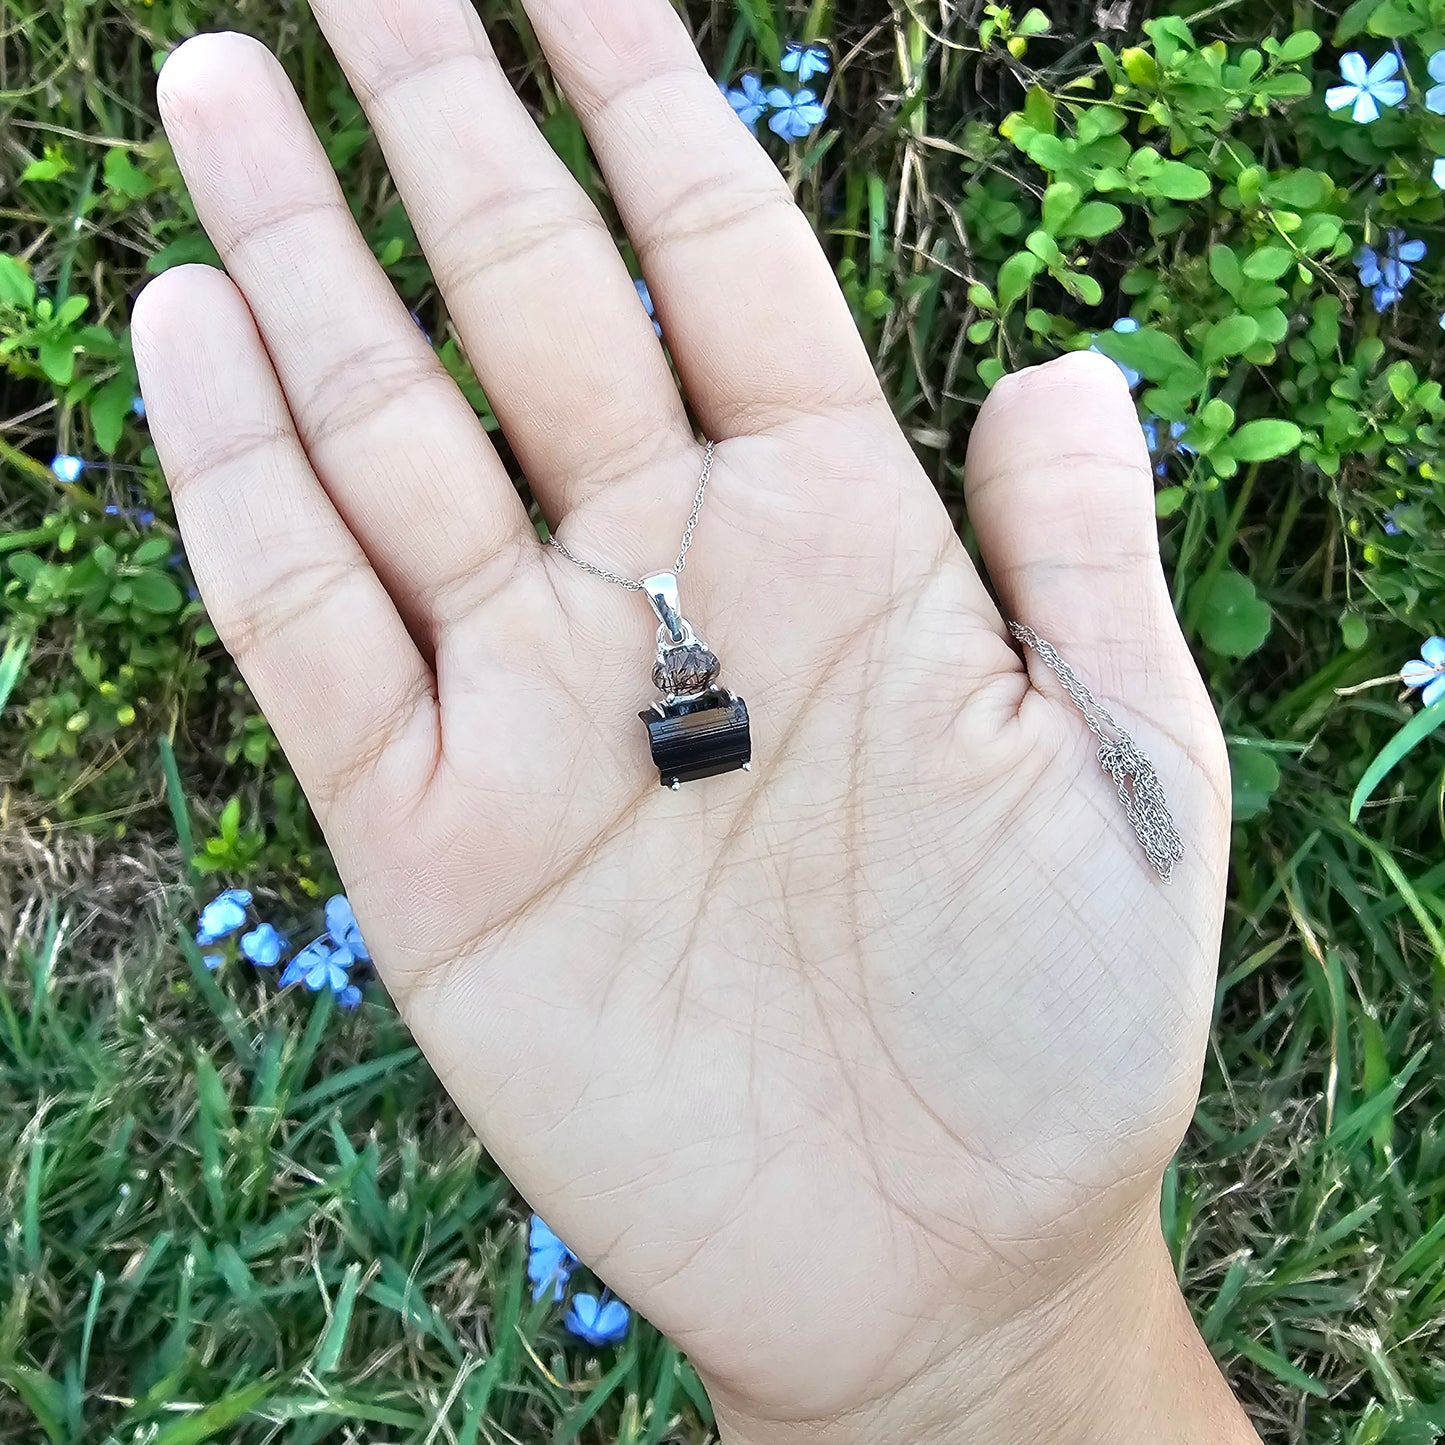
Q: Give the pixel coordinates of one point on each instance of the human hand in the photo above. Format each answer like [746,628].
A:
[856,1075]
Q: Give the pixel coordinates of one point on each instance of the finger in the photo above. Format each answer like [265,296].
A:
[393,440]
[1060,492]
[742,286]
[550,316]
[289,590]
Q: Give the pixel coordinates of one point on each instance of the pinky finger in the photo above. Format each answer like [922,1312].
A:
[288,587]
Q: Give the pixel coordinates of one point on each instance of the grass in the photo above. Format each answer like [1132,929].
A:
[235,1216]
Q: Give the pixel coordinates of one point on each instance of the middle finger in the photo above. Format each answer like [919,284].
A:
[549,314]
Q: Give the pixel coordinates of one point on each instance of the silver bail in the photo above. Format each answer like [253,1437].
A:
[662,594]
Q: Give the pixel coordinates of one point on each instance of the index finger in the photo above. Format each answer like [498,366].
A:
[742,286]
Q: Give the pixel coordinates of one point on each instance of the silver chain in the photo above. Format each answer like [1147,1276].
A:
[1122,758]
[616,578]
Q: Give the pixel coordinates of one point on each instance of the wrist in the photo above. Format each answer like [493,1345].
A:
[1115,1359]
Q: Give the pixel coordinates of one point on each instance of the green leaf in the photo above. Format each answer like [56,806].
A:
[154,592]
[1152,353]
[109,408]
[1234,620]
[16,287]
[1394,20]
[1225,268]
[1045,248]
[1254,777]
[1275,1364]
[1420,727]
[41,1395]
[1299,190]
[1179,182]
[152,550]
[1264,440]
[45,168]
[215,1417]
[1229,337]
[1168,500]
[1140,66]
[1354,20]
[1299,46]
[57,359]
[1289,86]
[1094,219]
[229,823]
[758,15]
[1061,200]
[1269,263]
[122,176]
[12,662]
[581,1414]
[1014,278]
[333,1342]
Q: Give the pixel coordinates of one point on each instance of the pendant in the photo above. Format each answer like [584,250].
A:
[697,729]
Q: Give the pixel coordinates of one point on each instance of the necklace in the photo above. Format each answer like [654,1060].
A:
[697,729]
[1140,790]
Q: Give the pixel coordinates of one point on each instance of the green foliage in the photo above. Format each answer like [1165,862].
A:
[228,1222]
[109,597]
[272,1229]
[230,849]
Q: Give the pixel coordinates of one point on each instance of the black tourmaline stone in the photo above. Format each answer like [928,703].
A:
[692,740]
[682,671]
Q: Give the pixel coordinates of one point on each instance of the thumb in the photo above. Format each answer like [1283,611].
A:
[1060,491]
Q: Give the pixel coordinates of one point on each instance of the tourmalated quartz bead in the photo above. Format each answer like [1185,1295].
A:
[684,671]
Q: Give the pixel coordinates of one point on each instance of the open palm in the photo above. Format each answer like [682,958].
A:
[828,1068]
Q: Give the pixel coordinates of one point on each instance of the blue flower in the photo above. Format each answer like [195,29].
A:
[1435,96]
[213,961]
[138,407]
[549,1262]
[223,916]
[749,98]
[1124,325]
[1388,271]
[67,468]
[599,1322]
[327,961]
[1366,90]
[263,945]
[1427,671]
[796,115]
[1391,523]
[645,296]
[1160,446]
[341,925]
[320,965]
[1437,171]
[141,516]
[806,61]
